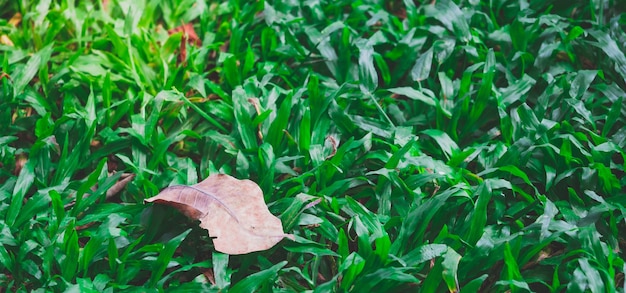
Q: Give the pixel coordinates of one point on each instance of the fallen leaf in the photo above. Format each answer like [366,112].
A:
[210,275]
[111,192]
[5,40]
[16,19]
[189,33]
[20,161]
[232,210]
[119,185]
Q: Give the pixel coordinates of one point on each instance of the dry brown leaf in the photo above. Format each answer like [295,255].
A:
[5,40]
[189,33]
[20,161]
[119,185]
[111,192]
[210,276]
[16,19]
[232,210]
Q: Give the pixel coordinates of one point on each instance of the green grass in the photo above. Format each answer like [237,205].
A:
[410,147]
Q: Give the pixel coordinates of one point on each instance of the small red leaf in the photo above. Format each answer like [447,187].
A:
[189,34]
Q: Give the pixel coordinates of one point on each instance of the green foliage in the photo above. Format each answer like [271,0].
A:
[445,145]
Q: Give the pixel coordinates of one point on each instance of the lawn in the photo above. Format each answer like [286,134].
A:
[442,146]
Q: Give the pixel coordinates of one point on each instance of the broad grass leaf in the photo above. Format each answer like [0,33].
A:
[368,76]
[518,36]
[593,278]
[377,127]
[254,281]
[446,143]
[451,16]
[414,94]
[165,255]
[275,135]
[611,49]
[484,92]
[479,215]
[24,182]
[517,91]
[351,267]
[6,239]
[443,49]
[450,266]
[384,69]
[581,83]
[474,285]
[24,76]
[112,253]
[232,210]
[394,160]
[417,220]
[612,117]
[424,253]
[421,69]
[581,109]
[304,135]
[220,270]
[32,207]
[303,245]
[231,72]
[69,264]
[243,118]
[395,274]
[447,88]
[515,279]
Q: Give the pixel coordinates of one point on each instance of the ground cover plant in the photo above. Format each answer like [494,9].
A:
[408,146]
